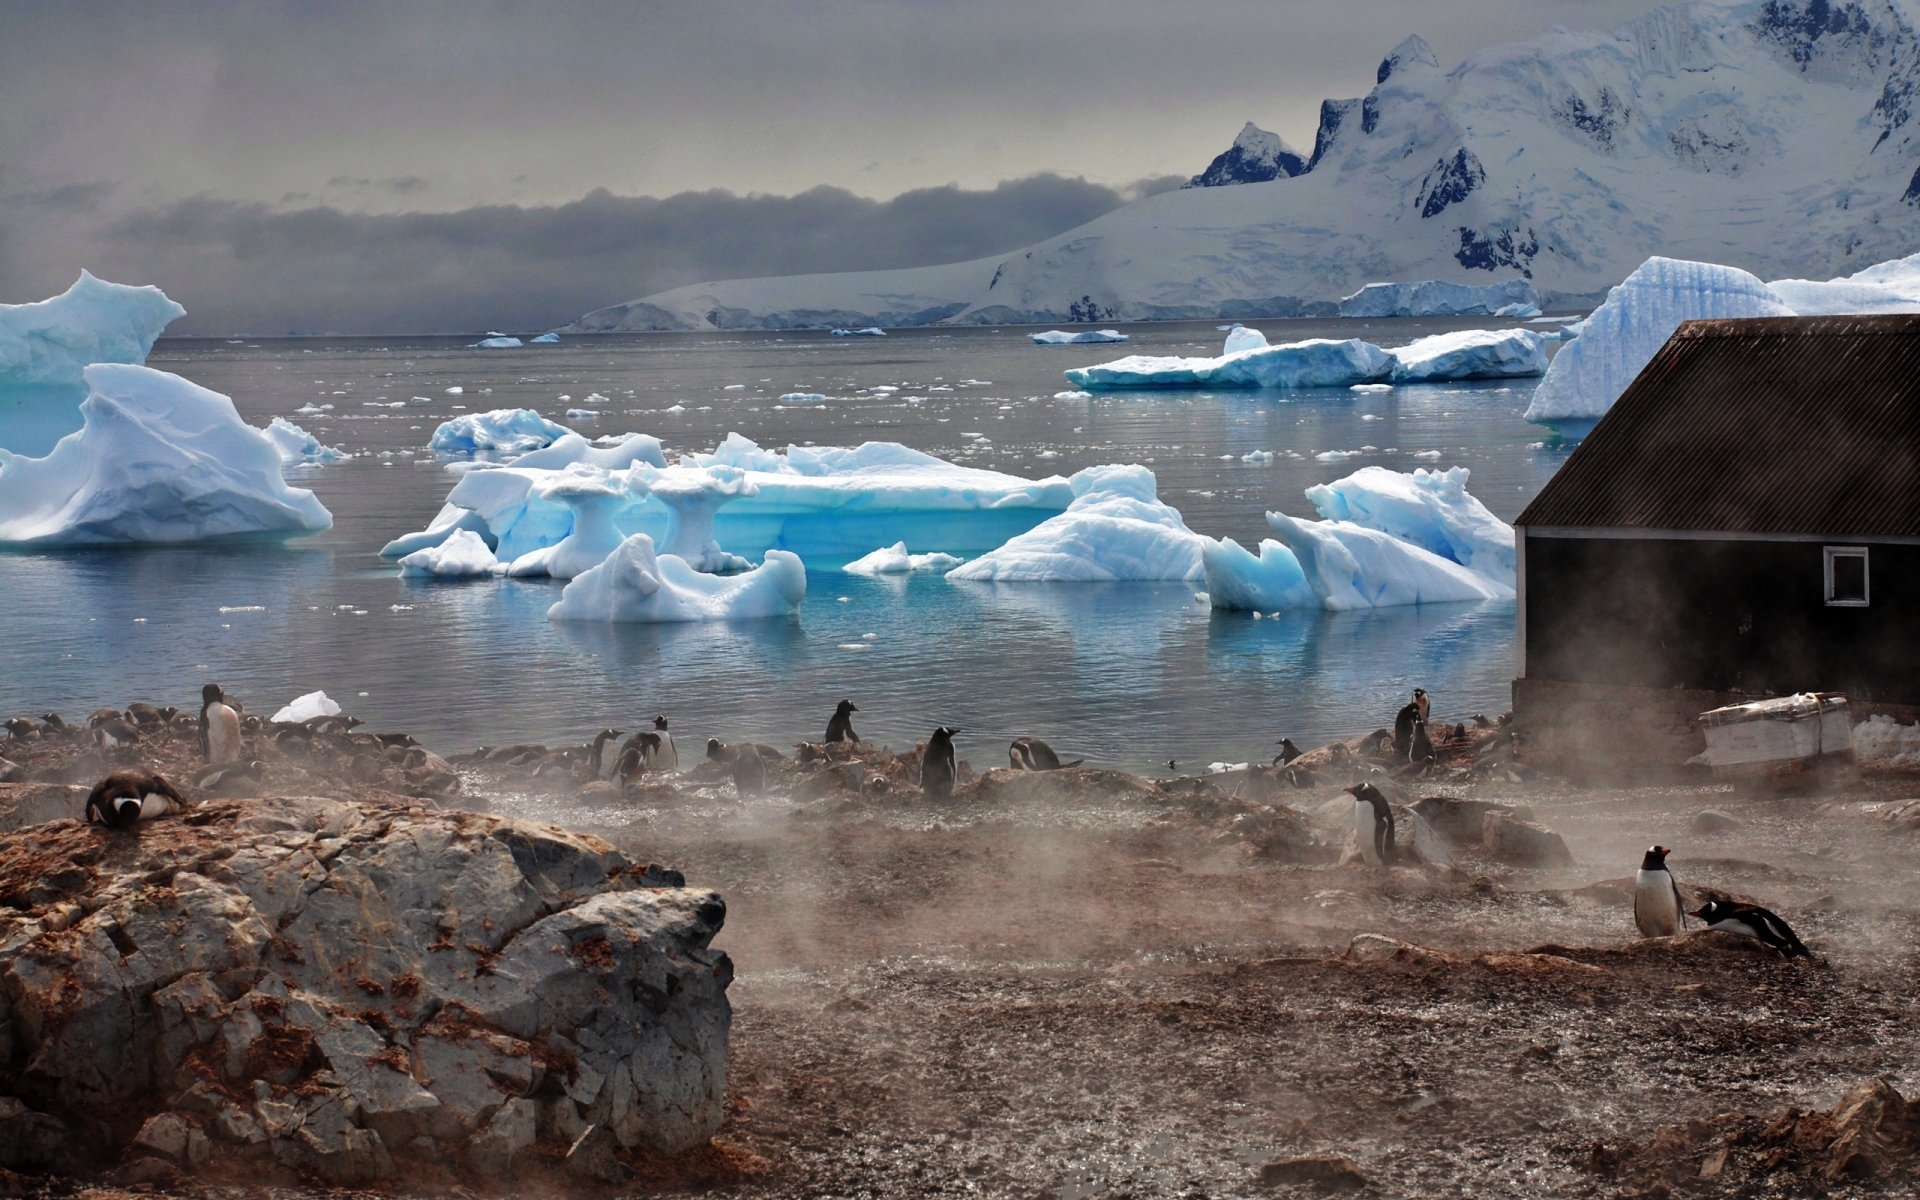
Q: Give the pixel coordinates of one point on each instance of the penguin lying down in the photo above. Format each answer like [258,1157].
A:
[125,798]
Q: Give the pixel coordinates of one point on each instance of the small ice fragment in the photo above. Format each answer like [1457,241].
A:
[234,608]
[803,398]
[456,391]
[307,707]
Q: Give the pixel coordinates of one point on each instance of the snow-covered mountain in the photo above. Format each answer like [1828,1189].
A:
[1256,156]
[1773,135]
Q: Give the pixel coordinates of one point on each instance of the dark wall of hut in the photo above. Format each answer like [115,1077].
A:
[1724,616]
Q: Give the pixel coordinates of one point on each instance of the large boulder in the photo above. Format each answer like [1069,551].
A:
[1522,843]
[331,986]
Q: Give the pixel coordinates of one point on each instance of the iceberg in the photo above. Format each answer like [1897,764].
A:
[1271,582]
[497,343]
[609,454]
[1241,338]
[1437,298]
[803,398]
[297,445]
[45,347]
[1060,337]
[692,499]
[506,430]
[1471,354]
[894,560]
[459,555]
[157,459]
[1116,528]
[870,331]
[1349,566]
[593,496]
[546,339]
[1430,509]
[1317,362]
[635,585]
[307,707]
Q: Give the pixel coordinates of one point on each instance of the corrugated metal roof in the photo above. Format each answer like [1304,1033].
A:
[1787,425]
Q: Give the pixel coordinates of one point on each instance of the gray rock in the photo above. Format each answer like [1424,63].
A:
[1710,820]
[29,1140]
[165,1134]
[593,1156]
[512,1129]
[1522,844]
[1462,823]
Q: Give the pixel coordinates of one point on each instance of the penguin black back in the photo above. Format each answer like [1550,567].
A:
[117,800]
[1403,723]
[1032,754]
[1288,752]
[1756,921]
[840,727]
[1375,799]
[937,767]
[749,772]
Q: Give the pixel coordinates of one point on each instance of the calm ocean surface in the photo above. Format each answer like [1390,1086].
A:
[1123,674]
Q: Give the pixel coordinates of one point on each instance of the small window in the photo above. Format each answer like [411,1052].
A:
[1847,576]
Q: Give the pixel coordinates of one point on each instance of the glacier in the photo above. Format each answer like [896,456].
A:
[1350,566]
[1429,509]
[1323,362]
[1116,528]
[636,585]
[1060,337]
[45,346]
[297,445]
[156,459]
[505,430]
[894,560]
[462,554]
[1439,298]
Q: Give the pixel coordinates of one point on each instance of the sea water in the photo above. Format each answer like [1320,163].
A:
[1129,675]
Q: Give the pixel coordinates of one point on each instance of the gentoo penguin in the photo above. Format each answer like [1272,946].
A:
[665,757]
[1656,896]
[637,755]
[1288,752]
[1420,699]
[52,721]
[229,775]
[749,771]
[1422,748]
[1480,721]
[598,760]
[109,730]
[1372,824]
[937,766]
[22,728]
[125,798]
[146,715]
[840,728]
[1403,723]
[1753,921]
[219,727]
[1032,754]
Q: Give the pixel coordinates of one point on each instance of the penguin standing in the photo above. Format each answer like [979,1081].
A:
[665,757]
[1656,896]
[840,728]
[1372,824]
[1288,752]
[125,798]
[1420,699]
[937,767]
[1403,723]
[598,760]
[1421,751]
[1032,754]
[749,771]
[637,755]
[219,727]
[1753,921]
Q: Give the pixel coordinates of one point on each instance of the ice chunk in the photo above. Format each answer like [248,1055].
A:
[496,343]
[1318,362]
[1257,456]
[1884,744]
[803,398]
[692,498]
[1639,315]
[46,345]
[894,560]
[461,554]
[1431,509]
[583,414]
[1060,337]
[507,430]
[1350,566]
[1238,580]
[307,707]
[1437,298]
[1073,395]
[157,459]
[1241,338]
[1472,354]
[546,339]
[594,497]
[451,519]
[1116,528]
[870,331]
[635,585]
[297,445]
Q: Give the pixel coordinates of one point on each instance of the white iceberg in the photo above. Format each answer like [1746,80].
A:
[157,459]
[297,445]
[693,498]
[460,554]
[504,430]
[307,707]
[894,560]
[803,398]
[1350,566]
[545,339]
[45,346]
[594,497]
[1271,582]
[1317,362]
[1430,509]
[497,343]
[870,331]
[608,453]
[1437,298]
[1116,528]
[635,585]
[1241,338]
[1471,354]
[1060,337]
[1257,456]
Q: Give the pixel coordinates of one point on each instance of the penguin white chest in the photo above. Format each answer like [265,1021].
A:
[153,804]
[1656,907]
[668,759]
[223,734]
[1363,822]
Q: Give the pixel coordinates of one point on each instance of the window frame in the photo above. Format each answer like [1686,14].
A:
[1827,555]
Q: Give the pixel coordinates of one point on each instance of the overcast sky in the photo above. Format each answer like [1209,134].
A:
[408,166]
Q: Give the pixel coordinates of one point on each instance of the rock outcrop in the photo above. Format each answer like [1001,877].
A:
[335,987]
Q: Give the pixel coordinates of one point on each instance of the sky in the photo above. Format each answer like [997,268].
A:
[453,166]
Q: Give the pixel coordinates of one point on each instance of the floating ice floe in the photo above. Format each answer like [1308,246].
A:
[803,398]
[1429,509]
[583,414]
[546,339]
[460,554]
[297,445]
[45,347]
[1239,580]
[894,560]
[636,585]
[1437,298]
[1471,354]
[307,707]
[1073,395]
[496,343]
[1323,362]
[157,459]
[1060,337]
[1257,456]
[870,331]
[504,430]
[1349,566]
[1116,528]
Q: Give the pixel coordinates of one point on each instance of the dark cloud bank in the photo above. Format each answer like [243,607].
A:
[260,269]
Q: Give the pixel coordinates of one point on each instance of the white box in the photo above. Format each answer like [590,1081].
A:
[1763,736]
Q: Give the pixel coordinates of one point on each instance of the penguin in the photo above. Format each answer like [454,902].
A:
[229,775]
[1420,699]
[219,727]
[1422,748]
[1656,896]
[637,755]
[1372,824]
[22,728]
[1032,754]
[665,757]
[840,728]
[109,730]
[937,766]
[1480,721]
[1753,921]
[147,716]
[749,772]
[598,760]
[1288,752]
[125,798]
[1401,740]
[53,722]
